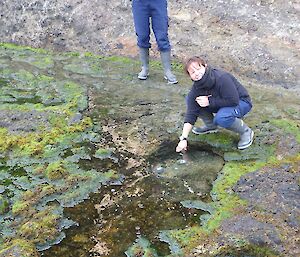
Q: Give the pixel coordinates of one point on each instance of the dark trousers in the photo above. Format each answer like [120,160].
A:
[155,11]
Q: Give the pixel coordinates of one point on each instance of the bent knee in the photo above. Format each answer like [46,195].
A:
[224,121]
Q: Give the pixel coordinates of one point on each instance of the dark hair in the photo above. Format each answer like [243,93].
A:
[191,60]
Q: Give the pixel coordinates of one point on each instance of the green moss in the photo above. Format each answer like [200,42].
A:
[58,121]
[41,228]
[289,126]
[103,153]
[189,238]
[4,140]
[3,205]
[226,202]
[47,190]
[176,66]
[22,48]
[121,59]
[141,247]
[33,144]
[230,174]
[73,54]
[91,55]
[223,141]
[27,195]
[19,247]
[19,207]
[56,170]
[111,175]
[249,250]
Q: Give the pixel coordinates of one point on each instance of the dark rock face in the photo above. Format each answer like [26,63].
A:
[255,38]
[254,231]
[275,191]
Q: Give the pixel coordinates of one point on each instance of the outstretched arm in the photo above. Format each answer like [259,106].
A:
[182,145]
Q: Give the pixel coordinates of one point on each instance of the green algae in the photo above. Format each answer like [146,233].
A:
[225,202]
[3,205]
[246,249]
[103,153]
[56,170]
[223,141]
[19,247]
[42,153]
[20,48]
[289,126]
[197,204]
[141,247]
[45,176]
[224,205]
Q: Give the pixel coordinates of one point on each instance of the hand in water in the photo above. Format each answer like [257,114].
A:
[185,158]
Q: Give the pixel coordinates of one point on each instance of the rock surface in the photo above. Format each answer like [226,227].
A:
[255,38]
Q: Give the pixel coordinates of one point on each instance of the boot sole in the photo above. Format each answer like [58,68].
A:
[171,82]
[247,145]
[142,78]
[207,132]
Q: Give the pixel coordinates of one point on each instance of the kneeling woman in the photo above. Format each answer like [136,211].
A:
[219,100]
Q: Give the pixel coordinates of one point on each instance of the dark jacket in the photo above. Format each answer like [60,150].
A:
[224,89]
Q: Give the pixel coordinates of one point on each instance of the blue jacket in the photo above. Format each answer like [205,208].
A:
[224,91]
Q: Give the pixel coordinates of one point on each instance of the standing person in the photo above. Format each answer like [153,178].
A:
[215,92]
[155,11]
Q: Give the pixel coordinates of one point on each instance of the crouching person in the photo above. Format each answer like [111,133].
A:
[219,100]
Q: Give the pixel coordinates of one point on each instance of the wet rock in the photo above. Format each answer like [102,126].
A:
[75,119]
[197,204]
[18,121]
[255,38]
[275,190]
[254,231]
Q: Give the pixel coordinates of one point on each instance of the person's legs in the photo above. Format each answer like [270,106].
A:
[159,19]
[208,127]
[141,16]
[160,24]
[230,118]
[227,115]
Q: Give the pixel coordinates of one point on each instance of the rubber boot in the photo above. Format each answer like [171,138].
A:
[144,57]
[166,62]
[246,134]
[209,126]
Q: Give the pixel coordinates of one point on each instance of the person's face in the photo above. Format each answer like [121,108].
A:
[196,71]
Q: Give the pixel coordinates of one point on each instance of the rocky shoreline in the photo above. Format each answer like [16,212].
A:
[256,195]
[257,39]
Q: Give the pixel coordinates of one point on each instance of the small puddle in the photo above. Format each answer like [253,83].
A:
[110,221]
